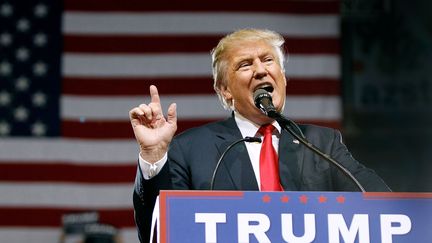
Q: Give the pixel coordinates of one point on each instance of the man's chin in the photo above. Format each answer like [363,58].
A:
[262,119]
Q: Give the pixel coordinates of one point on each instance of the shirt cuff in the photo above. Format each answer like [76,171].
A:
[150,170]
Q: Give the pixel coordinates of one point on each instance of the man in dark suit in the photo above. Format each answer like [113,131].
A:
[243,62]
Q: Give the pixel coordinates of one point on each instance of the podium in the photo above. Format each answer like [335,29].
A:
[237,216]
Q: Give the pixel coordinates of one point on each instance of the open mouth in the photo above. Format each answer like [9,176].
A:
[267,88]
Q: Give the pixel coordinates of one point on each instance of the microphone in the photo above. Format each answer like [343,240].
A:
[264,102]
[246,139]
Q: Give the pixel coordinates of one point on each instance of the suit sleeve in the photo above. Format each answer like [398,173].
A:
[179,158]
[144,197]
[366,176]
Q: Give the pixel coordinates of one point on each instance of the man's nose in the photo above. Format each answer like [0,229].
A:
[260,70]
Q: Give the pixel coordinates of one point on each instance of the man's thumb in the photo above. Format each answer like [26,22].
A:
[172,114]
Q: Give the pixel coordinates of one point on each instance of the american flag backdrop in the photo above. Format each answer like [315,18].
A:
[70,71]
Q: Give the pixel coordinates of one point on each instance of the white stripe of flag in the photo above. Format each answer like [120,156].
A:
[204,106]
[197,23]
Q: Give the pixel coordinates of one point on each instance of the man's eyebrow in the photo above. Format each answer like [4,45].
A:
[267,53]
[239,60]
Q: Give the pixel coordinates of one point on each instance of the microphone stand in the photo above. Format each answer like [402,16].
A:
[287,125]
[246,139]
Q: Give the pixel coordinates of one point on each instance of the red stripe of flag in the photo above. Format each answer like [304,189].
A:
[123,129]
[114,129]
[63,172]
[181,86]
[48,217]
[181,44]
[271,6]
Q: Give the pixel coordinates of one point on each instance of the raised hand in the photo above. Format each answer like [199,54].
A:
[152,131]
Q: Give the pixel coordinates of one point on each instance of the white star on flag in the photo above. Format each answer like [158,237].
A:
[38,129]
[23,25]
[5,39]
[40,39]
[6,10]
[40,68]
[21,114]
[5,98]
[39,99]
[40,10]
[5,68]
[22,83]
[22,54]
[4,128]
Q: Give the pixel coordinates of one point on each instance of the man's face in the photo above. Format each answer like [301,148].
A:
[252,65]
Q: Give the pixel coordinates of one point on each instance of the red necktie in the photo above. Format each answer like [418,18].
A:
[269,166]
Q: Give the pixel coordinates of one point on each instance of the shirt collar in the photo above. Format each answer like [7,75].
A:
[249,128]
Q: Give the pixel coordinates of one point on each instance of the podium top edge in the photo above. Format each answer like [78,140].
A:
[366,195]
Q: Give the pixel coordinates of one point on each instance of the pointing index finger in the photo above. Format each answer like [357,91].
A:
[154,94]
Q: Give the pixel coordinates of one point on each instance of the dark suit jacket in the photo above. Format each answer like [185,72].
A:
[193,155]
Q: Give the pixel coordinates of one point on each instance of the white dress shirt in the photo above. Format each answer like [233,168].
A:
[247,129]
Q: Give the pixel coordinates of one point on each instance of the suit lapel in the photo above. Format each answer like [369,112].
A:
[237,168]
[290,162]
[236,165]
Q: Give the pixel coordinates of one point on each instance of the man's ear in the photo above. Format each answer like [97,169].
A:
[226,92]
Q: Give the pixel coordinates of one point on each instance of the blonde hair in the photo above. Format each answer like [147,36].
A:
[219,53]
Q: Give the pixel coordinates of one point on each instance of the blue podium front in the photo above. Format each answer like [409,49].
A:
[235,216]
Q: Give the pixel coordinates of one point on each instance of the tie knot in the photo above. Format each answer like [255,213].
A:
[266,129]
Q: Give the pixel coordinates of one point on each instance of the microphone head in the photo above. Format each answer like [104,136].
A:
[264,102]
[259,95]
